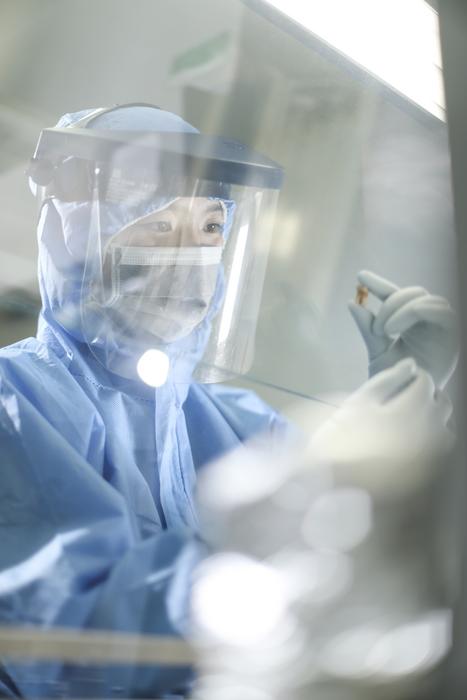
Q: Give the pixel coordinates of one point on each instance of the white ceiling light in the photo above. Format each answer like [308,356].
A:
[396,40]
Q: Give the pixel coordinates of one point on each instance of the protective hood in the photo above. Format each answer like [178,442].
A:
[63,238]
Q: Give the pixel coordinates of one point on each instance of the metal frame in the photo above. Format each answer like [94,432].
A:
[453,28]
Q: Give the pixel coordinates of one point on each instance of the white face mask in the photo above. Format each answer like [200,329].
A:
[164,291]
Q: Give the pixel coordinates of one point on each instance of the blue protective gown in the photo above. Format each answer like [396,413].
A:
[97,518]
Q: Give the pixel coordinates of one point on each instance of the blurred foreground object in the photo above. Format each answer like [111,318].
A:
[325,580]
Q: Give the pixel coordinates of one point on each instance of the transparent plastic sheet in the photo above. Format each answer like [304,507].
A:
[173,274]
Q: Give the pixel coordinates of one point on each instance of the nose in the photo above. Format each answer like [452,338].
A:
[188,233]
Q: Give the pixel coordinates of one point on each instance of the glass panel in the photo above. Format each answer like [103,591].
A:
[105,512]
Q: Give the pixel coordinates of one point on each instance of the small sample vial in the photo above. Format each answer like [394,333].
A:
[361,295]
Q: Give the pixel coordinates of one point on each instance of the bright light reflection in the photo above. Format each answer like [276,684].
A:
[339,519]
[242,477]
[237,600]
[396,40]
[315,578]
[233,284]
[153,367]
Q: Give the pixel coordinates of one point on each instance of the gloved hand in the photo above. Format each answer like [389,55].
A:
[397,417]
[410,323]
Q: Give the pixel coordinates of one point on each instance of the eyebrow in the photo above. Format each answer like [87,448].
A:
[215,206]
[211,207]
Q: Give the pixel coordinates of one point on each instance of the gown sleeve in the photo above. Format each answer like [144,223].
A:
[70,556]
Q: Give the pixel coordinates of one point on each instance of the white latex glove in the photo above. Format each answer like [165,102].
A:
[397,418]
[410,323]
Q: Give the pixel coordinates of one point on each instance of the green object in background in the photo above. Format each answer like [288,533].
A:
[200,56]
[19,303]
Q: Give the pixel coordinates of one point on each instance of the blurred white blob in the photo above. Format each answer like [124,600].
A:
[413,648]
[315,578]
[406,650]
[223,687]
[346,655]
[291,496]
[339,519]
[242,477]
[238,601]
[304,482]
[153,367]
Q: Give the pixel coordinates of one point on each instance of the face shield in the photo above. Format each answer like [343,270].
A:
[170,250]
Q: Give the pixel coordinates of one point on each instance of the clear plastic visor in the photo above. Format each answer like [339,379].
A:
[173,277]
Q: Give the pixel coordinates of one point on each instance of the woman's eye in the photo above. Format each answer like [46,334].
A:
[213,228]
[161,226]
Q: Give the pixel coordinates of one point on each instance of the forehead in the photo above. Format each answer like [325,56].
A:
[198,205]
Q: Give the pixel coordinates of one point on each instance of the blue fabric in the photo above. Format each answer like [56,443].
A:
[98,524]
